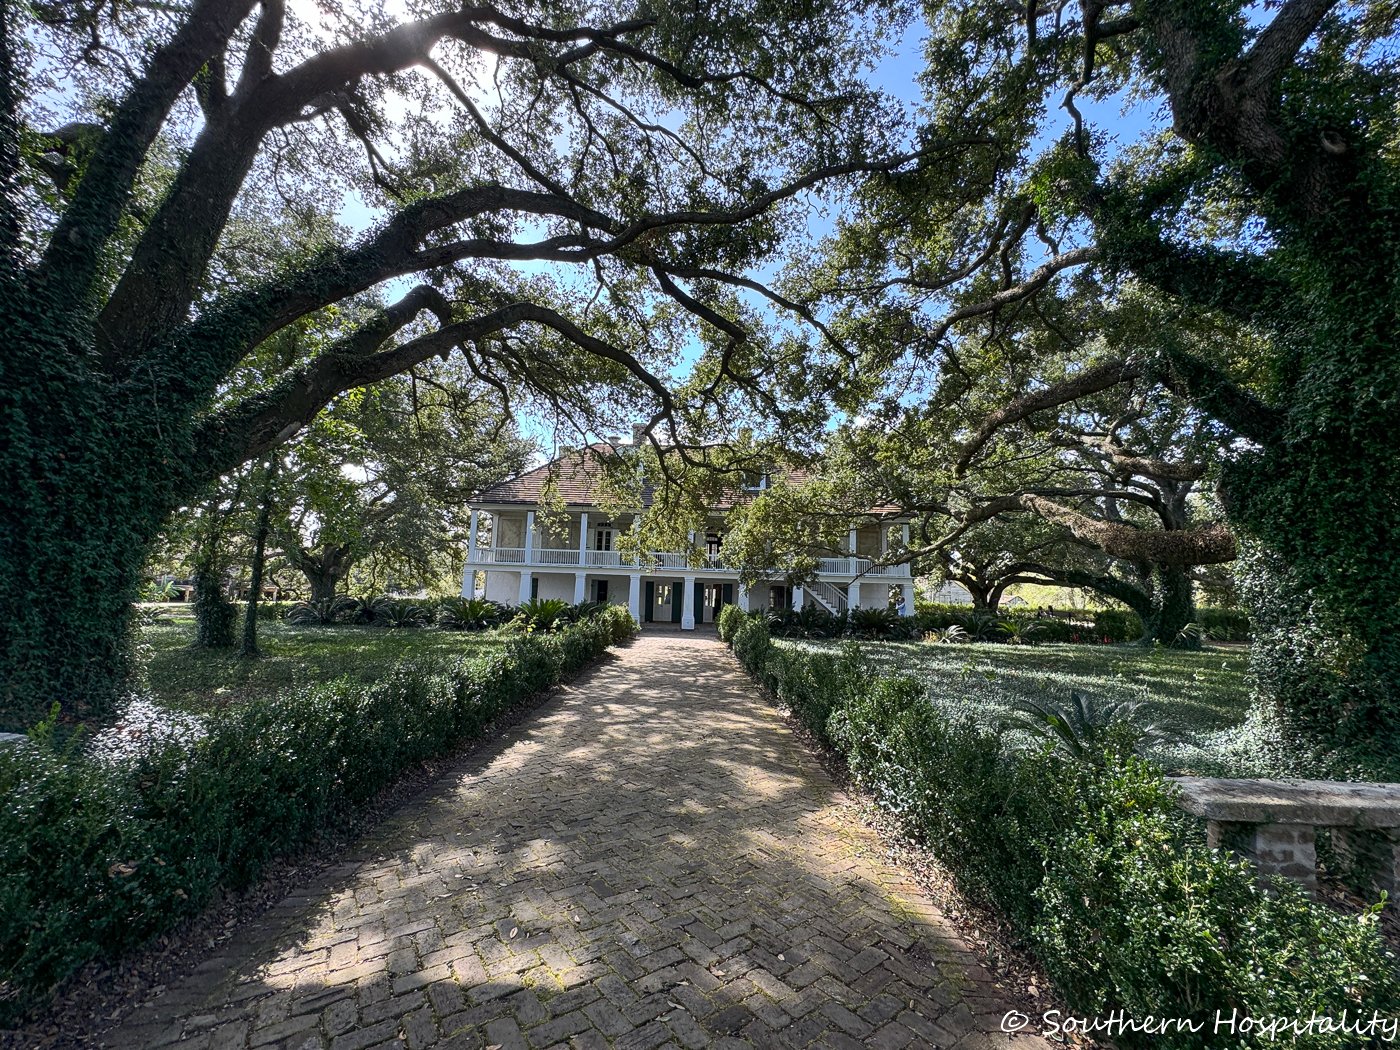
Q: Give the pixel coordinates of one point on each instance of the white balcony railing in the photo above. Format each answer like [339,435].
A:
[500,555]
[556,556]
[858,567]
[673,560]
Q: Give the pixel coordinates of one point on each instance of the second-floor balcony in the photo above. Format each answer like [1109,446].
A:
[680,561]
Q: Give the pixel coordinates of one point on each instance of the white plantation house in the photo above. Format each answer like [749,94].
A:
[580,561]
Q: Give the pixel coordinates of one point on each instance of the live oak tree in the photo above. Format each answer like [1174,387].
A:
[645,148]
[384,473]
[1094,498]
[1266,199]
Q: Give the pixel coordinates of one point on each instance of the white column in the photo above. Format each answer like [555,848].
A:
[906,535]
[851,544]
[634,597]
[906,603]
[469,580]
[471,537]
[580,582]
[530,537]
[526,579]
[583,538]
[688,604]
[741,598]
[798,598]
[884,539]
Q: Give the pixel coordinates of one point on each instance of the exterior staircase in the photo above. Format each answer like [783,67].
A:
[833,599]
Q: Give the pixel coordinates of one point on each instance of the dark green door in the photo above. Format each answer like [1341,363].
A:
[726,598]
[535,588]
[677,597]
[651,602]
[699,601]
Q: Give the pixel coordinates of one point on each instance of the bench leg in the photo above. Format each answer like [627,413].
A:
[1289,850]
[1376,853]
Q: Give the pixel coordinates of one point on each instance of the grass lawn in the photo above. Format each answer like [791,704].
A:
[1202,696]
[194,680]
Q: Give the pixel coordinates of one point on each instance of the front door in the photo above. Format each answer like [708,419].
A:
[647,616]
[677,600]
[600,590]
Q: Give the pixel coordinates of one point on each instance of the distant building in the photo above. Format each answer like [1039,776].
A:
[578,560]
[950,593]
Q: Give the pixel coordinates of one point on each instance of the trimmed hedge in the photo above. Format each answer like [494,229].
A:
[97,856]
[1092,864]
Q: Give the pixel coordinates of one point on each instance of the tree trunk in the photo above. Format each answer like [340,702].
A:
[324,569]
[249,648]
[980,593]
[215,617]
[87,480]
[1171,609]
[69,578]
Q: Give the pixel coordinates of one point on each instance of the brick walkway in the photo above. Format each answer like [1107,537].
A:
[652,860]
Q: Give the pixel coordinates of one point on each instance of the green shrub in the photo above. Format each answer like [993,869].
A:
[1091,862]
[273,611]
[1224,625]
[729,621]
[1117,625]
[97,855]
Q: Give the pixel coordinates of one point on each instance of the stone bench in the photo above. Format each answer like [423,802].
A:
[1274,823]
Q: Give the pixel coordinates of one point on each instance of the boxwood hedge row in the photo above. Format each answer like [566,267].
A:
[1091,863]
[97,855]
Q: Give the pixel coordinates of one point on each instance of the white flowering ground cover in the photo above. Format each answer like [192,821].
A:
[1201,697]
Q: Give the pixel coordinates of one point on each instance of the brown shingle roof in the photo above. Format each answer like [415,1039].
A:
[576,475]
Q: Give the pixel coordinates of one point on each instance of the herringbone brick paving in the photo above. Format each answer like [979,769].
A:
[653,860]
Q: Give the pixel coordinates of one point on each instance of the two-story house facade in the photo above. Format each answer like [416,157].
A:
[577,556]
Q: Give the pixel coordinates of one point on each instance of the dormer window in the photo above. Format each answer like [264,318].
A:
[755,480]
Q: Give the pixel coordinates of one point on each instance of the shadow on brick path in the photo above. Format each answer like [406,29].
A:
[652,860]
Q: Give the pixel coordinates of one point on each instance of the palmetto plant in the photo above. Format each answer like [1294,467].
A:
[985,628]
[542,614]
[399,614]
[814,622]
[1082,727]
[872,623]
[323,612]
[1020,632]
[469,614]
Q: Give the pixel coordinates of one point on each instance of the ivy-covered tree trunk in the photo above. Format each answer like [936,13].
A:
[249,646]
[85,485]
[1170,609]
[1320,581]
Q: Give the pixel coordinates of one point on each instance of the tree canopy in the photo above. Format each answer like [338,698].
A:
[1238,257]
[561,195]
